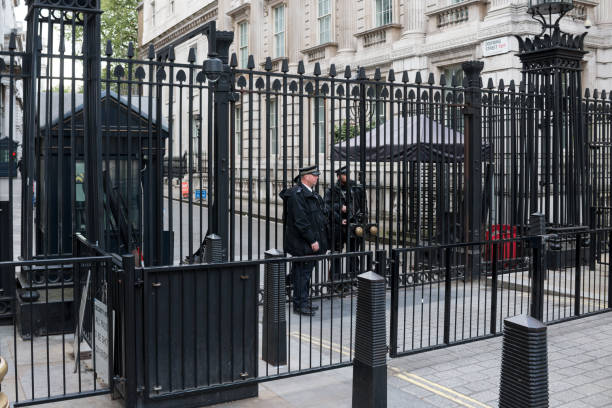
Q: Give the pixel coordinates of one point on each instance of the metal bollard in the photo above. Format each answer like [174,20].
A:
[537,228]
[370,362]
[274,325]
[214,249]
[524,370]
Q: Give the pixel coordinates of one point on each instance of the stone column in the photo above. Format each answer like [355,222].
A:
[346,26]
[413,20]
[603,13]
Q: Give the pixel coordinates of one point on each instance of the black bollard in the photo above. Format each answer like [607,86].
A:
[524,370]
[370,362]
[214,249]
[274,325]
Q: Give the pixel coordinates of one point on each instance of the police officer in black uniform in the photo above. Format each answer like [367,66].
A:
[346,202]
[306,221]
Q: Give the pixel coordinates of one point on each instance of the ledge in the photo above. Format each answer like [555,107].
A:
[378,35]
[453,6]
[319,52]
[242,11]
[276,63]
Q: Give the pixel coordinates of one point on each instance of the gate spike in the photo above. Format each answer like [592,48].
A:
[391,76]
[512,86]
[332,70]
[377,75]
[431,80]
[285,66]
[418,79]
[442,79]
[251,62]
[587,93]
[317,69]
[490,84]
[347,72]
[501,84]
[268,64]
[595,94]
[191,57]
[130,50]
[234,60]
[301,69]
[454,81]
[109,48]
[171,55]
[603,95]
[405,77]
[13,41]
[151,54]
[361,74]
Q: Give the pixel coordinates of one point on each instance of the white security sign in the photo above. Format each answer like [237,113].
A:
[101,340]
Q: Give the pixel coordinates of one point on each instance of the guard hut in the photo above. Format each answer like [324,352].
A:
[133,141]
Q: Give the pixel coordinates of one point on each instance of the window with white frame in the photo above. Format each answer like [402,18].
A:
[279,31]
[319,123]
[324,21]
[238,131]
[384,12]
[243,43]
[273,127]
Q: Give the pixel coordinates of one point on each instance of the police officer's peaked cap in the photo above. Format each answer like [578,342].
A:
[342,170]
[307,170]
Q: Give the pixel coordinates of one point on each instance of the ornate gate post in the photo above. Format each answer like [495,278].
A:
[473,165]
[552,71]
[218,72]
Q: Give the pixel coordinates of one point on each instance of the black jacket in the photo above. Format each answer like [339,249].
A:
[305,218]
[353,197]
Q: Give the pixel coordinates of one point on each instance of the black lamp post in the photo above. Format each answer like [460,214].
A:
[543,11]
[552,68]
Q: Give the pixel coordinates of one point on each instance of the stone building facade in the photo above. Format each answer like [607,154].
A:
[414,35]
[8,25]
[426,36]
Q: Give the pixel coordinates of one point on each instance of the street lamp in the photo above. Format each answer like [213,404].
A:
[541,9]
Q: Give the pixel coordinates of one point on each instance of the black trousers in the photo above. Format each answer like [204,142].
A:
[300,278]
[352,263]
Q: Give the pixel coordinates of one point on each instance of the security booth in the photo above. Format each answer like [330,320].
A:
[8,149]
[133,142]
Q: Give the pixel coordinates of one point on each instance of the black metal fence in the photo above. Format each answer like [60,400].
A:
[57,302]
[433,304]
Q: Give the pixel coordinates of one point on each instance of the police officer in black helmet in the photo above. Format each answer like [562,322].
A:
[305,233]
[347,206]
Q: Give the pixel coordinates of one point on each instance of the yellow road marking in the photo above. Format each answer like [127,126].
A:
[427,384]
[324,343]
[414,379]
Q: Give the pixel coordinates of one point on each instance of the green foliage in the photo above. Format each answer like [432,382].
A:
[119,24]
[340,132]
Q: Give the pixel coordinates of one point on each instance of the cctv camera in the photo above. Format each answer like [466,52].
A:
[588,24]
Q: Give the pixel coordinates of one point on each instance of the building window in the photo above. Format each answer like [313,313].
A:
[384,12]
[456,70]
[238,131]
[243,43]
[324,21]
[279,31]
[273,127]
[319,123]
